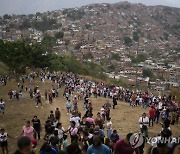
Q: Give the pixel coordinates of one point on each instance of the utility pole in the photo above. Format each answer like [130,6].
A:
[137,63]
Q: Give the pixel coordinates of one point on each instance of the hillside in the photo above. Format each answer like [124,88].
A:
[157,26]
[26,110]
[116,36]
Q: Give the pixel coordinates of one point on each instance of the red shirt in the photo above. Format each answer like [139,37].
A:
[123,148]
[152,113]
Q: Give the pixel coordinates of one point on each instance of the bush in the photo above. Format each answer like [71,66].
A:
[147,73]
[127,41]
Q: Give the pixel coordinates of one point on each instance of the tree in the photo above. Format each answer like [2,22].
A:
[19,55]
[88,56]
[115,56]
[45,24]
[67,42]
[140,58]
[6,16]
[147,73]
[87,26]
[155,53]
[78,45]
[111,67]
[13,55]
[75,14]
[127,41]
[135,36]
[38,13]
[177,94]
[59,35]
[48,42]
[26,24]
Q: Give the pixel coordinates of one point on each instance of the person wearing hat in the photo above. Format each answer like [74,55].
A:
[97,147]
[4,140]
[123,146]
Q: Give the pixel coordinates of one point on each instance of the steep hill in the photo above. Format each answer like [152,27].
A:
[100,29]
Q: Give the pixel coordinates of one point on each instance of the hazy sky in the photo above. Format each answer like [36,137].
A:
[33,6]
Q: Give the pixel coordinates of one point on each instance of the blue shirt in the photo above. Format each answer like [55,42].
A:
[103,149]
[53,151]
[114,137]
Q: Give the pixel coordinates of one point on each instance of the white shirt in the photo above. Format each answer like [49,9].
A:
[3,137]
[60,132]
[90,136]
[137,98]
[2,104]
[140,100]
[21,94]
[102,111]
[76,120]
[14,92]
[109,125]
[143,120]
[160,105]
[153,99]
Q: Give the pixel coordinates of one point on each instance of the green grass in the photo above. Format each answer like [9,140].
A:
[124,118]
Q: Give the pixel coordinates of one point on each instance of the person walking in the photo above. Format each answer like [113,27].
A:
[4,141]
[109,127]
[144,122]
[114,101]
[37,127]
[2,106]
[152,113]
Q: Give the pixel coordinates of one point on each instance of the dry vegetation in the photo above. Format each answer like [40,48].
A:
[124,118]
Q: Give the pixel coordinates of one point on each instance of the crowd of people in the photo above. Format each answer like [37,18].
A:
[90,133]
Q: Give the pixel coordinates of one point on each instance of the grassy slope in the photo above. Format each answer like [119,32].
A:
[124,118]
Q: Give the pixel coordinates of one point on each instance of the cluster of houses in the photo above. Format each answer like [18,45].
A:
[99,31]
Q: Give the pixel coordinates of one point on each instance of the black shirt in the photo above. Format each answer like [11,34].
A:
[18,152]
[84,125]
[36,124]
[87,143]
[54,141]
